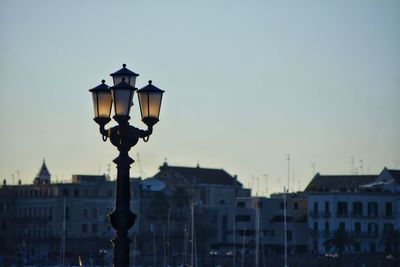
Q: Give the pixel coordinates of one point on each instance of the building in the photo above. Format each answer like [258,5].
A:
[177,196]
[57,222]
[366,206]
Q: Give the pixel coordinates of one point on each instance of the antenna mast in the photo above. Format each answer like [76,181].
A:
[140,165]
[288,178]
[266,184]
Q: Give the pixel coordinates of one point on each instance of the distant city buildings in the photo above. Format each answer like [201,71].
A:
[186,212]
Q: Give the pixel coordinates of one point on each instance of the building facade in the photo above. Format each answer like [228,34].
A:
[366,207]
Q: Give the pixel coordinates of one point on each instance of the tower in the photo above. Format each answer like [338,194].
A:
[43,177]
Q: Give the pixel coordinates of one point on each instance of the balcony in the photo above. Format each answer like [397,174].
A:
[372,215]
[342,215]
[387,215]
[314,214]
[314,233]
[356,214]
[326,214]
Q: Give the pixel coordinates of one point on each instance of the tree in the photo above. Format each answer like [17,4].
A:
[180,197]
[391,242]
[340,240]
[159,205]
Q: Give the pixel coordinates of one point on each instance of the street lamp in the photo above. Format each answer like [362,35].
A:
[102,253]
[124,137]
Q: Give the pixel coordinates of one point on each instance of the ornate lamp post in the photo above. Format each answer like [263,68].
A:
[124,137]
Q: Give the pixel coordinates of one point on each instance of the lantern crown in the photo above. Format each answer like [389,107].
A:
[101,87]
[151,88]
[124,72]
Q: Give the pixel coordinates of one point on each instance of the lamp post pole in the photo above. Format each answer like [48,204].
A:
[124,137]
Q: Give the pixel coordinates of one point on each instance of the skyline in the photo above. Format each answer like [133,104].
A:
[316,81]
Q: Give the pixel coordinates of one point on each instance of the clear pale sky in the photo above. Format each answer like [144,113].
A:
[247,82]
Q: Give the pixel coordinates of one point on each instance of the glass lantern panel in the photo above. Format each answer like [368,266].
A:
[128,79]
[94,97]
[150,103]
[122,101]
[154,104]
[104,104]
[144,104]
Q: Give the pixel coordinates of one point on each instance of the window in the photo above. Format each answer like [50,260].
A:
[372,247]
[315,227]
[341,208]
[86,192]
[272,233]
[388,209]
[342,226]
[94,213]
[327,228]
[109,193]
[65,192]
[357,228]
[372,209]
[3,225]
[76,193]
[357,246]
[84,213]
[387,228]
[327,208]
[84,228]
[357,209]
[372,229]
[242,218]
[67,213]
[240,204]
[289,235]
[315,208]
[50,213]
[296,205]
[94,228]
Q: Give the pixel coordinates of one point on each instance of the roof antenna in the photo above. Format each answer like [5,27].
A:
[140,165]
[266,184]
[313,168]
[352,165]
[361,166]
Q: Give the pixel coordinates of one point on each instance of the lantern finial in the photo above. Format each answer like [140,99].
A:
[150,81]
[124,65]
[103,81]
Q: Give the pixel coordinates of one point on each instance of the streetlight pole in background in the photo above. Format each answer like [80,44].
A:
[124,137]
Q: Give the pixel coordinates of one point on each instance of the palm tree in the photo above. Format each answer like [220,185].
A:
[391,243]
[340,240]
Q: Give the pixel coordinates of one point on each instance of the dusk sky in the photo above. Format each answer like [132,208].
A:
[247,82]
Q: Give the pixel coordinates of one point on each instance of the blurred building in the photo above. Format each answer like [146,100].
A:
[367,207]
[49,222]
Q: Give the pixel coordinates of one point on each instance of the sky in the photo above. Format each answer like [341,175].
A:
[247,83]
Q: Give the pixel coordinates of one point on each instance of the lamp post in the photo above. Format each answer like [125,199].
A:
[124,137]
[102,253]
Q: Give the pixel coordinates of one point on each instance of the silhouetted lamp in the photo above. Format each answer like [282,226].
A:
[150,103]
[124,73]
[102,102]
[122,95]
[124,136]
